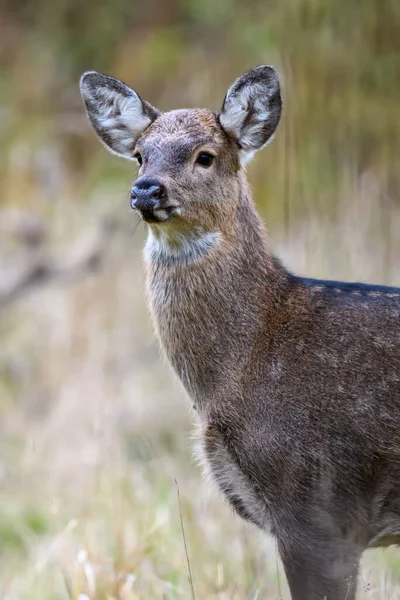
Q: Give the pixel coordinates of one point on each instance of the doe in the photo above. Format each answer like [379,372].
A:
[296,381]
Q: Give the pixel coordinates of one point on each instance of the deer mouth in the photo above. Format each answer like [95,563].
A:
[158,214]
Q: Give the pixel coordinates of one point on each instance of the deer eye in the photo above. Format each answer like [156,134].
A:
[138,157]
[204,159]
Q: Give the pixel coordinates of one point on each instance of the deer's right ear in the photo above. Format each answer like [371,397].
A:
[118,114]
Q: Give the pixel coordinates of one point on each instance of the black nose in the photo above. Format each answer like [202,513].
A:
[146,193]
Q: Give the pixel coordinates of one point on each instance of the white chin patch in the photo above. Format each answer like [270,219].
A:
[164,214]
[161,214]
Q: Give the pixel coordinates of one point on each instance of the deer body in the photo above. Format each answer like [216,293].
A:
[296,382]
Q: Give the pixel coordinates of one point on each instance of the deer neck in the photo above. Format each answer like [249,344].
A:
[210,296]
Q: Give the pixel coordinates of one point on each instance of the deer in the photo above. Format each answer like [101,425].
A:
[295,381]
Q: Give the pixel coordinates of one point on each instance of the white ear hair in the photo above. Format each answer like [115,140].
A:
[118,114]
[252,108]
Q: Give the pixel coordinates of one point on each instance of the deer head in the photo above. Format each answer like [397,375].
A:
[189,160]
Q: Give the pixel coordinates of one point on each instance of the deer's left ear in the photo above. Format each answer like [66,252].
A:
[118,114]
[252,109]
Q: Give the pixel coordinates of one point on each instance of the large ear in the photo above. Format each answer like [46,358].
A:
[252,109]
[118,114]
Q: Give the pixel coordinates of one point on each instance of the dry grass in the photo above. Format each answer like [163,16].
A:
[95,430]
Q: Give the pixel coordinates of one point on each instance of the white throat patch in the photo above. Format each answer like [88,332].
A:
[178,248]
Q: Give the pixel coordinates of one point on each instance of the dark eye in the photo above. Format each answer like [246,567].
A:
[205,159]
[138,157]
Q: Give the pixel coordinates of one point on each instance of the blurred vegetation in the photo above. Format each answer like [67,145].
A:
[339,61]
[93,431]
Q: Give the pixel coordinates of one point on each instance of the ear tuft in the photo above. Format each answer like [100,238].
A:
[118,114]
[252,108]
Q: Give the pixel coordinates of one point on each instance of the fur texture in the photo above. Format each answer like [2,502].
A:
[296,381]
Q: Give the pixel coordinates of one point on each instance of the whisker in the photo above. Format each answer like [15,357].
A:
[137,224]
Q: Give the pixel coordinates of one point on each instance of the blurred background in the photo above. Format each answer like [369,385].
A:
[95,432]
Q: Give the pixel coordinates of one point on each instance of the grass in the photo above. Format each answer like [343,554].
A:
[118,535]
[95,439]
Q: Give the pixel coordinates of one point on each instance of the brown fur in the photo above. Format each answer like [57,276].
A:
[296,381]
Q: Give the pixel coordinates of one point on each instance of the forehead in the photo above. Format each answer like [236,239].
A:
[186,127]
